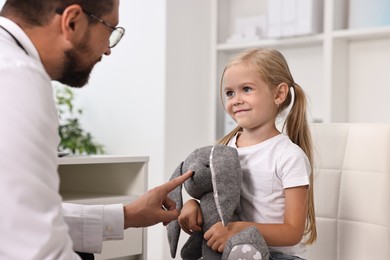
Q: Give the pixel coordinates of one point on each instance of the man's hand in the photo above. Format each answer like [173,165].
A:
[154,206]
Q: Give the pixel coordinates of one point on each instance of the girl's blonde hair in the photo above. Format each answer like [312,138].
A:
[273,69]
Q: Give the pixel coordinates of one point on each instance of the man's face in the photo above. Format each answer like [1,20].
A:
[80,60]
[75,73]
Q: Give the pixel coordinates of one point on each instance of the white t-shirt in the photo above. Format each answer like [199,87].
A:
[32,222]
[268,168]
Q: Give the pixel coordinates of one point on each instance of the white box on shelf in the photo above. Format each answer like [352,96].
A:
[304,14]
[309,17]
[363,13]
[286,18]
[274,19]
[250,28]
[289,17]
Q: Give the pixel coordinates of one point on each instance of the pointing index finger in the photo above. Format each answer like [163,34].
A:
[172,184]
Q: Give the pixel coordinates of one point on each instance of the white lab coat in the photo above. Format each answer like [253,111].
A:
[33,223]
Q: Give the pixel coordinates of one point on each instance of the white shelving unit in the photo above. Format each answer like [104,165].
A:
[339,68]
[107,180]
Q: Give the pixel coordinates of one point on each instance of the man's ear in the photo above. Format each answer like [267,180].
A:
[74,23]
[281,93]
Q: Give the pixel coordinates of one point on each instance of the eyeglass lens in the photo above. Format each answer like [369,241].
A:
[116,36]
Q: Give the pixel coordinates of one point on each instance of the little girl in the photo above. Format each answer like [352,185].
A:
[277,184]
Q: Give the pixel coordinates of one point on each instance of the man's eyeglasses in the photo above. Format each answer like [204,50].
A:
[116,32]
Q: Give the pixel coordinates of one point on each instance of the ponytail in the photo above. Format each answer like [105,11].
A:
[225,140]
[297,129]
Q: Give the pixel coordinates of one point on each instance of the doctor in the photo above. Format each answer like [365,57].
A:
[40,41]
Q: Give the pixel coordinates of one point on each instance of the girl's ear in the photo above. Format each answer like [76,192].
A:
[281,93]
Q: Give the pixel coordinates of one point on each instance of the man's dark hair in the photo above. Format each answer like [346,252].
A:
[39,12]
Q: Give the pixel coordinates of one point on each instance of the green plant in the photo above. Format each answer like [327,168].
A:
[74,139]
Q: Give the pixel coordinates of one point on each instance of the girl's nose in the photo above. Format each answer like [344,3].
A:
[237,100]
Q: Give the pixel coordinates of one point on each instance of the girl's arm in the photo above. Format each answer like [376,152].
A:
[190,218]
[286,234]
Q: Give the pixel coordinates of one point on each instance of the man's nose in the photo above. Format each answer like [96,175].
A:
[108,51]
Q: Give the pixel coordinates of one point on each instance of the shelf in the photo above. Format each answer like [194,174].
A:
[101,159]
[107,179]
[89,198]
[363,33]
[297,41]
[120,175]
[336,67]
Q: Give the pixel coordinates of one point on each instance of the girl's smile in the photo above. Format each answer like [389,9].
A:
[249,100]
[240,111]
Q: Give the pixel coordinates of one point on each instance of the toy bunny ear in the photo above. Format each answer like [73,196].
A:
[226,179]
[173,228]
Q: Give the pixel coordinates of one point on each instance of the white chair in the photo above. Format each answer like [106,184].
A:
[352,191]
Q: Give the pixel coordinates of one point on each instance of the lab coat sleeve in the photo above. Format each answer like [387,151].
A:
[90,225]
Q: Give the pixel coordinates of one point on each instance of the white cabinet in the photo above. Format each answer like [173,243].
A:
[106,180]
[344,72]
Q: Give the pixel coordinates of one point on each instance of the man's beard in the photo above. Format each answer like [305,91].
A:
[72,75]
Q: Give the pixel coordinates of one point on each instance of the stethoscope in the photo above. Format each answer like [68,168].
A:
[16,40]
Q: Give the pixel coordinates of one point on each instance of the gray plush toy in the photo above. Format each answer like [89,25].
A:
[216,183]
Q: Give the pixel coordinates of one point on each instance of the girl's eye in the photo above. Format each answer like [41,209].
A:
[247,89]
[229,93]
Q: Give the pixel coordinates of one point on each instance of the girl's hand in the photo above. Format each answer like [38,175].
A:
[190,218]
[218,235]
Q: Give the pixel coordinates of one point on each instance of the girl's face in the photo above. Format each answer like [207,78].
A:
[249,100]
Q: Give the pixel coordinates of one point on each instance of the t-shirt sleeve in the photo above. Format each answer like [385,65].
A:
[294,169]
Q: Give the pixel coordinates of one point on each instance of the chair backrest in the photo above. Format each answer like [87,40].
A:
[352,191]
